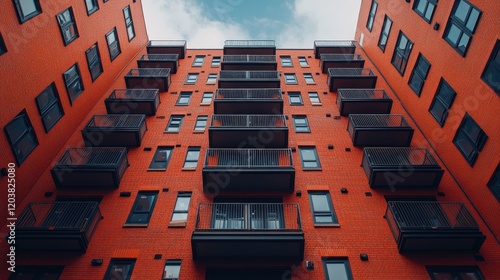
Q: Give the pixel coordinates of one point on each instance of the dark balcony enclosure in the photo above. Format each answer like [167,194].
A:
[379,130]
[341,61]
[178,47]
[401,167]
[57,226]
[170,61]
[248,101]
[363,101]
[90,167]
[248,131]
[249,62]
[248,232]
[133,101]
[254,47]
[249,79]
[148,78]
[114,131]
[433,226]
[333,47]
[350,78]
[248,171]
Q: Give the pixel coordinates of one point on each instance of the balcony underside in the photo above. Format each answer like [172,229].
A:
[318,51]
[440,241]
[251,50]
[252,66]
[160,83]
[172,65]
[244,137]
[336,82]
[130,106]
[242,106]
[112,137]
[364,106]
[180,50]
[341,64]
[401,177]
[86,177]
[245,83]
[381,137]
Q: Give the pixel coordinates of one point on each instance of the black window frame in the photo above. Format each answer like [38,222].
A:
[445,95]
[205,100]
[176,263]
[215,61]
[94,63]
[454,21]
[312,96]
[174,124]
[68,25]
[295,94]
[189,159]
[182,97]
[475,145]
[403,54]
[96,6]
[37,271]
[190,81]
[113,45]
[330,213]
[183,211]
[309,78]
[50,97]
[494,183]
[27,133]
[289,81]
[419,74]
[300,127]
[129,22]
[3,47]
[494,64]
[19,11]
[286,61]
[316,158]
[428,4]
[211,79]
[371,15]
[69,84]
[344,261]
[384,33]
[198,61]
[149,211]
[124,262]
[161,163]
[303,62]
[200,119]
[453,270]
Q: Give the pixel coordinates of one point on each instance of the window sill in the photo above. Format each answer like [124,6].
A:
[316,104]
[135,225]
[198,132]
[155,170]
[312,169]
[170,132]
[188,169]
[177,224]
[205,104]
[327,225]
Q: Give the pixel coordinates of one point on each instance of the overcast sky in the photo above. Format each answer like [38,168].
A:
[292,23]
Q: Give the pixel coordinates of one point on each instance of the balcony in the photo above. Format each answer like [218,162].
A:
[249,62]
[159,61]
[133,101]
[57,226]
[248,101]
[114,131]
[341,61]
[90,167]
[248,171]
[379,130]
[433,226]
[255,47]
[248,131]
[350,78]
[248,232]
[167,47]
[363,101]
[401,167]
[333,47]
[148,78]
[249,79]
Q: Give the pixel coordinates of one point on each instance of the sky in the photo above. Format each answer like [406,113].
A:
[291,23]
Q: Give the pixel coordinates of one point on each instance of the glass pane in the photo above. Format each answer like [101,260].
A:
[182,203]
[190,164]
[464,144]
[52,116]
[471,23]
[144,203]
[320,203]
[130,31]
[323,219]
[464,42]
[300,121]
[472,130]
[438,111]
[492,77]
[172,271]
[308,154]
[430,10]
[442,276]
[162,155]
[453,34]
[25,145]
[139,218]
[336,271]
[468,276]
[416,82]
[27,7]
[16,128]
[119,272]
[45,99]
[462,11]
[421,6]
[192,155]
[403,41]
[179,217]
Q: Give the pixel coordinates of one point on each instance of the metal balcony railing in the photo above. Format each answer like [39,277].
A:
[362,94]
[250,121]
[249,94]
[248,158]
[249,43]
[268,217]
[334,43]
[350,72]
[249,75]
[249,58]
[116,121]
[167,43]
[134,94]
[93,157]
[399,156]
[341,57]
[377,120]
[148,72]
[160,57]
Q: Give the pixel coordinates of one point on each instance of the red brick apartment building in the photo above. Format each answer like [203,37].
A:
[133,159]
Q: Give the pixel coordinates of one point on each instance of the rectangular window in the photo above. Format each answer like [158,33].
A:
[290,79]
[491,74]
[371,16]
[67,25]
[201,123]
[455,272]
[401,53]
[3,48]
[44,272]
[309,157]
[425,8]
[183,99]
[441,104]
[192,155]
[309,79]
[94,61]
[27,9]
[142,209]
[314,97]
[198,61]
[113,44]
[161,158]
[384,33]
[172,270]
[180,214]
[461,25]
[303,61]
[120,269]
[92,6]
[206,98]
[191,79]
[322,208]
[73,82]
[300,123]
[419,74]
[174,124]
[21,136]
[211,79]
[215,61]
[295,98]
[494,183]
[337,268]
[129,24]
[469,139]
[286,61]
[49,106]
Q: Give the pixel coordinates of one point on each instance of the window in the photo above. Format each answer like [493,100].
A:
[494,183]
[174,124]
[92,6]
[49,107]
[215,61]
[309,158]
[142,209]
[290,79]
[73,82]
[491,74]
[191,79]
[425,8]
[371,16]
[211,79]
[201,123]
[33,272]
[67,25]
[322,208]
[401,53]
[309,79]
[233,214]
[469,139]
[337,268]
[384,33]
[183,99]
[192,155]
[461,25]
[455,272]
[442,102]
[206,99]
[113,44]
[94,61]
[129,23]
[180,214]
[27,9]
[172,270]
[300,123]
[161,158]
[314,97]
[303,61]
[286,61]
[419,74]
[3,48]
[21,136]
[295,98]
[198,61]
[120,269]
